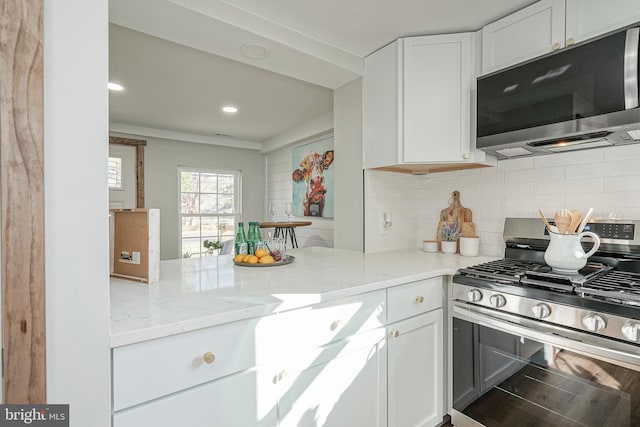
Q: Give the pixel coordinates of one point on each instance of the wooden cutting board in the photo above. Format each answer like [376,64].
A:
[455,211]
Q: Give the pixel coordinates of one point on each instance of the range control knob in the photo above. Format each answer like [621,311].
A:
[541,311]
[594,322]
[497,300]
[474,295]
[631,330]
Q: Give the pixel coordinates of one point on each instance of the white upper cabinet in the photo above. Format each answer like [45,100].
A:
[417,103]
[525,34]
[551,25]
[437,95]
[590,18]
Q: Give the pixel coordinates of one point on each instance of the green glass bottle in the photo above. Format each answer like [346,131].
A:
[241,240]
[252,238]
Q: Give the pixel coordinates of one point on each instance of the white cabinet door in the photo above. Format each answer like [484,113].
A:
[589,18]
[415,371]
[381,96]
[530,32]
[240,400]
[339,385]
[437,98]
[417,94]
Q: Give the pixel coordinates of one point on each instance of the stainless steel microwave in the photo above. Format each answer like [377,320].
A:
[584,96]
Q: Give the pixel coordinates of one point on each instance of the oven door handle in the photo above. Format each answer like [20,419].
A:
[623,354]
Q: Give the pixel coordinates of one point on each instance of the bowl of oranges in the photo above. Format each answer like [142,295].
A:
[262,258]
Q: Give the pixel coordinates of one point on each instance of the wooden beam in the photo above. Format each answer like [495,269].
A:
[140,176]
[22,177]
[126,141]
[139,144]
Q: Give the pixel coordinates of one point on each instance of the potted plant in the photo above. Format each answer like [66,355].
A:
[449,237]
[212,246]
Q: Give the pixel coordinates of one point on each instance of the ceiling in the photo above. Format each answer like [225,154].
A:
[181,60]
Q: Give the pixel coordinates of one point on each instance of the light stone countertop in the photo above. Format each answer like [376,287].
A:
[203,292]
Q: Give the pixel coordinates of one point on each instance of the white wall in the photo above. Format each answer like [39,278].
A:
[349,221]
[76,205]
[279,188]
[606,179]
[314,128]
[162,159]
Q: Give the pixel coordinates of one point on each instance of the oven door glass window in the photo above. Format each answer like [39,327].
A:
[501,379]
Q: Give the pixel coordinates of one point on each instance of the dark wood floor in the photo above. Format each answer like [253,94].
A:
[573,391]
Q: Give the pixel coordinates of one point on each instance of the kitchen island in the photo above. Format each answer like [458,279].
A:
[208,291]
[335,338]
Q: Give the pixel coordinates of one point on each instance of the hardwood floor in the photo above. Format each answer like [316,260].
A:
[573,391]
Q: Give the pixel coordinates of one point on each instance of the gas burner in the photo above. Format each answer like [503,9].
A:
[621,287]
[503,271]
[534,274]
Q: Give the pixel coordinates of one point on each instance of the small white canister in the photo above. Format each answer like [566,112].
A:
[469,246]
[430,245]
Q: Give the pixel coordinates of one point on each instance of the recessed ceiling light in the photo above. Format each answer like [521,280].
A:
[254,51]
[115,86]
[229,109]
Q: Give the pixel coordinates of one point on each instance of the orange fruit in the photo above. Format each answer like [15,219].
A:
[252,259]
[267,259]
[239,258]
[261,252]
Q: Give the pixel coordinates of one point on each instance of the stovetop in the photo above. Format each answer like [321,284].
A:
[611,275]
[595,280]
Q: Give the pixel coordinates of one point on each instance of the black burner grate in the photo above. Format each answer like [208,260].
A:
[503,271]
[617,286]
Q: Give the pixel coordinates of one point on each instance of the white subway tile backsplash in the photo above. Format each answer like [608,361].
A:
[524,202]
[534,175]
[518,188]
[585,185]
[608,168]
[570,158]
[584,170]
[515,164]
[622,152]
[606,179]
[622,183]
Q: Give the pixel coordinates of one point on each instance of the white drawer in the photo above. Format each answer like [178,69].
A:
[155,368]
[414,298]
[244,399]
[320,324]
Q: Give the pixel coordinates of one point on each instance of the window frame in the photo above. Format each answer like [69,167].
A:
[122,165]
[237,214]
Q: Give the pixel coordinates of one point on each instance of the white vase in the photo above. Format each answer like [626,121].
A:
[449,247]
[469,246]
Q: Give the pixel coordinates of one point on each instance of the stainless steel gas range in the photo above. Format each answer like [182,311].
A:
[532,346]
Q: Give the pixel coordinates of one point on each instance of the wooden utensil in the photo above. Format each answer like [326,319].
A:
[576,217]
[563,220]
[586,219]
[544,218]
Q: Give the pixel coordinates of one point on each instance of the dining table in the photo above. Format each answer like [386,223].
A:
[286,229]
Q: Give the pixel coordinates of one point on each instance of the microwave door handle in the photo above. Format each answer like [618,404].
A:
[631,68]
